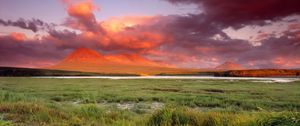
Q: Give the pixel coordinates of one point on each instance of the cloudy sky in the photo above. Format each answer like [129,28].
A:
[182,33]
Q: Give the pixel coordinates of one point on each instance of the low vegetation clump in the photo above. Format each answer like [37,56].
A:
[25,113]
[283,119]
[32,113]
[189,117]
[5,123]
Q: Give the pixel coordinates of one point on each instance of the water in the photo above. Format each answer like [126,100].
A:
[255,79]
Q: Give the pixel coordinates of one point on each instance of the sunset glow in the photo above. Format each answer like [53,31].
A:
[254,34]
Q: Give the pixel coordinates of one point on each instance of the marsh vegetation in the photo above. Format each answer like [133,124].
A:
[81,102]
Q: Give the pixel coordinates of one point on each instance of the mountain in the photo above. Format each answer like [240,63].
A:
[229,66]
[87,60]
[85,55]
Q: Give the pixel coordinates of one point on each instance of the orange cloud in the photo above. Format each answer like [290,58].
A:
[82,16]
[141,41]
[114,33]
[89,35]
[82,9]
[134,59]
[122,33]
[286,62]
[117,24]
[18,36]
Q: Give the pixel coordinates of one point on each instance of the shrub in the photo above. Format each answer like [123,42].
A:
[189,117]
[91,111]
[284,119]
[5,123]
[32,112]
[173,116]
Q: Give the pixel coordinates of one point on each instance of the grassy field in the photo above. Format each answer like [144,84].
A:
[93,102]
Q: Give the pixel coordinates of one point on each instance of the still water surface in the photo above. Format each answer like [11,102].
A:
[264,79]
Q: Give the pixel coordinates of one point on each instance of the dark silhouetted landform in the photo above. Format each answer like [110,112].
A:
[260,73]
[27,72]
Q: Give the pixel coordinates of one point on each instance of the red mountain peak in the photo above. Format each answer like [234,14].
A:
[84,55]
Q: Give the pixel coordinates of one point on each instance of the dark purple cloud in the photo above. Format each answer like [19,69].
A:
[237,13]
[28,53]
[33,24]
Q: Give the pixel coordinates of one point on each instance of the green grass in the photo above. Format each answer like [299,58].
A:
[80,102]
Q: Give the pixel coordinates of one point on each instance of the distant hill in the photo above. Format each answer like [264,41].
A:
[260,73]
[25,72]
[87,60]
[229,66]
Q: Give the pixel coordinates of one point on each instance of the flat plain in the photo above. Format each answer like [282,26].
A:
[93,101]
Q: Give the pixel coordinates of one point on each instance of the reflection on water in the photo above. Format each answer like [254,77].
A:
[258,79]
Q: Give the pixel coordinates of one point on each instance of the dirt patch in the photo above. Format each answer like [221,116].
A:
[142,106]
[195,91]
[223,91]
[135,106]
[157,105]
[215,90]
[199,91]
[164,89]
[125,106]
[257,93]
[174,90]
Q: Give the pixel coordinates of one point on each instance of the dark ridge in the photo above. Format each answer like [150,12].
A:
[27,72]
[260,73]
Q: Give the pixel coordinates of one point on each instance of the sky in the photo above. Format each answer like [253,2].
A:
[182,33]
